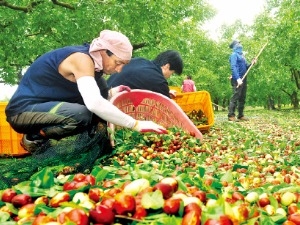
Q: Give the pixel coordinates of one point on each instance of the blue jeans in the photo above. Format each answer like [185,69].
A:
[238,99]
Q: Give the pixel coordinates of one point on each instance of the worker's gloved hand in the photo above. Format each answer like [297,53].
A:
[118,89]
[149,126]
[173,93]
[239,81]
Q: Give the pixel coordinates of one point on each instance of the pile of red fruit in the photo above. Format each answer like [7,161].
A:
[83,202]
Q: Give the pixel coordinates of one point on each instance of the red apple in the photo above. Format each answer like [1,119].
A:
[21,199]
[295,218]
[212,222]
[59,198]
[237,196]
[191,218]
[263,201]
[69,185]
[95,194]
[113,191]
[172,205]
[124,203]
[108,183]
[109,202]
[8,194]
[81,184]
[78,216]
[102,214]
[166,189]
[292,208]
[26,210]
[192,207]
[140,212]
[42,219]
[79,177]
[42,200]
[171,181]
[201,195]
[90,179]
[225,220]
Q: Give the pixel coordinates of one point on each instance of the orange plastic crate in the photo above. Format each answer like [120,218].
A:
[199,100]
[178,89]
[148,105]
[9,139]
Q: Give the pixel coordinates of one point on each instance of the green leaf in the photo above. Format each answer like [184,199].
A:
[266,220]
[279,219]
[101,175]
[161,219]
[227,177]
[237,166]
[43,208]
[4,216]
[43,178]
[153,200]
[181,185]
[11,208]
[11,223]
[201,171]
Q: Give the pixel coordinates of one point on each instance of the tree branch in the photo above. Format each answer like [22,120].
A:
[286,92]
[25,9]
[68,6]
[33,4]
[138,46]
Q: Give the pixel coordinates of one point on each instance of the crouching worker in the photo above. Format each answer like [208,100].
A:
[63,91]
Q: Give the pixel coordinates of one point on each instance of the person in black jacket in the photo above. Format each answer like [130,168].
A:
[150,75]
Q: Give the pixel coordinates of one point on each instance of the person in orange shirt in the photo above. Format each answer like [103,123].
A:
[188,85]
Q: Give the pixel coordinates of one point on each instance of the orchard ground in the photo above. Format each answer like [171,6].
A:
[247,172]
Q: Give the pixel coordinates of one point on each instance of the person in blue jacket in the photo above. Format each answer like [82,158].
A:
[63,91]
[239,67]
[150,75]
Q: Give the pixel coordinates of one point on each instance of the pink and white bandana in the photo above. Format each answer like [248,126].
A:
[115,42]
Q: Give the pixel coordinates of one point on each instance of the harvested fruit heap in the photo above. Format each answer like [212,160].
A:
[172,179]
[198,117]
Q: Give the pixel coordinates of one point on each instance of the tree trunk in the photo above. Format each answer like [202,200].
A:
[296,76]
[279,102]
[295,100]
[271,104]
[215,104]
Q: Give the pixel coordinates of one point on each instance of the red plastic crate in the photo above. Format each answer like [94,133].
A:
[148,105]
[9,139]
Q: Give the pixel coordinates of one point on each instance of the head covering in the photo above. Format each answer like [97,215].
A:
[233,43]
[113,41]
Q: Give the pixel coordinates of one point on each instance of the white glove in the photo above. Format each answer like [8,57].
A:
[173,93]
[239,81]
[115,90]
[148,126]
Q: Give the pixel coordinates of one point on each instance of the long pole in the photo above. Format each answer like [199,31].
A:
[252,63]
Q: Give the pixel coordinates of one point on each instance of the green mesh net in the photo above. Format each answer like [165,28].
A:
[69,155]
